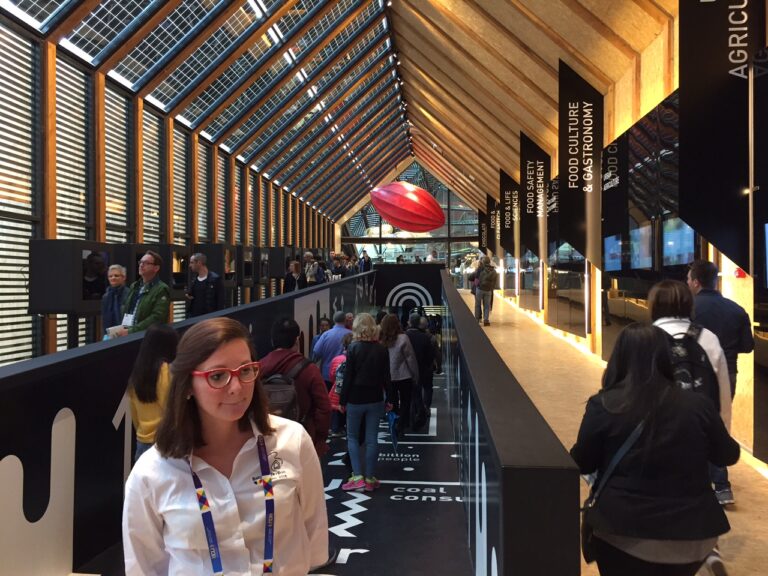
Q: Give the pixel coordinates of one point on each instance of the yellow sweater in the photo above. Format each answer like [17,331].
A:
[146,417]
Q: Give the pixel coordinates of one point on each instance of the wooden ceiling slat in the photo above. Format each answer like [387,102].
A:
[503,152]
[448,177]
[467,135]
[449,137]
[460,182]
[412,57]
[434,54]
[477,31]
[456,156]
[617,40]
[203,83]
[138,35]
[468,66]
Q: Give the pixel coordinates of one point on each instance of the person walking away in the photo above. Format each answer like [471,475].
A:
[227,488]
[403,368]
[328,346]
[149,382]
[294,278]
[366,381]
[487,276]
[205,292]
[113,299]
[733,328]
[149,298]
[425,349]
[656,513]
[312,397]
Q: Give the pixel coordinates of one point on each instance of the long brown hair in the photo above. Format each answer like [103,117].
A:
[180,430]
[390,328]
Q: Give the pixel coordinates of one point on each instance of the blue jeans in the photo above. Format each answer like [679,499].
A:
[372,414]
[141,447]
[484,297]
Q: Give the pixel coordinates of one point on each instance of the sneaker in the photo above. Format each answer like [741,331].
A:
[713,565]
[371,484]
[354,484]
[338,434]
[725,496]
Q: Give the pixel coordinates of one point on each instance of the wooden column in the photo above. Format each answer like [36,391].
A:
[246,218]
[271,216]
[138,168]
[99,158]
[258,213]
[193,186]
[167,174]
[48,165]
[231,191]
[214,203]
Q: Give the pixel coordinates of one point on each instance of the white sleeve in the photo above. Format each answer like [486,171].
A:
[143,544]
[312,499]
[717,359]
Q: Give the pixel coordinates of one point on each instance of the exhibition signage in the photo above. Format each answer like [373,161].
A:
[615,189]
[553,216]
[535,171]
[718,41]
[580,142]
[509,193]
[491,213]
[482,231]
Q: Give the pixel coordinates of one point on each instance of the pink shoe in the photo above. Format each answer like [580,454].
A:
[354,484]
[371,484]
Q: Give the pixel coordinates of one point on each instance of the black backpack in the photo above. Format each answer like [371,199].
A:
[691,366]
[338,380]
[281,392]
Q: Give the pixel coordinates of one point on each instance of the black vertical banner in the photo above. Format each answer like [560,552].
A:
[534,173]
[717,42]
[491,211]
[615,204]
[580,144]
[482,231]
[509,193]
[553,216]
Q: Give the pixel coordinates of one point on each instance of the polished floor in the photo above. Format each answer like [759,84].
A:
[559,378]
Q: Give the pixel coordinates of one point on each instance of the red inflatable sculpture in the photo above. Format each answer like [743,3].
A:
[408,207]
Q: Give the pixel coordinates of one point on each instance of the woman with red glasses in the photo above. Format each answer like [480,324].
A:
[227,488]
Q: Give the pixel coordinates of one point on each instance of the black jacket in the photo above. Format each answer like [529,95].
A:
[289,285]
[366,375]
[425,350]
[729,322]
[661,488]
[212,295]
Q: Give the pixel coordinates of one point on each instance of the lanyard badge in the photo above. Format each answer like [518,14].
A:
[269,501]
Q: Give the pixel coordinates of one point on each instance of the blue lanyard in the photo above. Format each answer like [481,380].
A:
[269,501]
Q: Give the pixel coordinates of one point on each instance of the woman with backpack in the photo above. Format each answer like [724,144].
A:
[403,369]
[671,307]
[149,382]
[366,381]
[652,510]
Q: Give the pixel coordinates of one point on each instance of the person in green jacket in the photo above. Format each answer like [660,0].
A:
[149,298]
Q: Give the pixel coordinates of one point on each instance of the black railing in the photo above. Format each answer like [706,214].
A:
[520,486]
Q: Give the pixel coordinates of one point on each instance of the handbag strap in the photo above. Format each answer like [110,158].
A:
[628,443]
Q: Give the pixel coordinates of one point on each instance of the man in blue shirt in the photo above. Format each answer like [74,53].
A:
[731,324]
[329,344]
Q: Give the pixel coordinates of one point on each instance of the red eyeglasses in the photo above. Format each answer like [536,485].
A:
[220,377]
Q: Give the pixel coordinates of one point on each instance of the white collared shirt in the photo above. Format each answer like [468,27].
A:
[711,345]
[163,528]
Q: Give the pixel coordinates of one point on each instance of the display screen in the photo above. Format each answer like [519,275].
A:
[641,247]
[612,253]
[95,264]
[678,242]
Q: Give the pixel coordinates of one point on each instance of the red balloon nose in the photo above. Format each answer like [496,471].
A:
[408,207]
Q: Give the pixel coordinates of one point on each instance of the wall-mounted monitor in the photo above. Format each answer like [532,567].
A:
[612,253]
[678,242]
[641,247]
[68,276]
[245,256]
